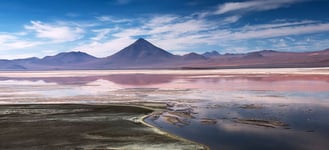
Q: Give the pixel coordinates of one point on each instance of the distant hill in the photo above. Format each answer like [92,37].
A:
[211,54]
[253,55]
[193,56]
[67,58]
[270,59]
[144,55]
[10,65]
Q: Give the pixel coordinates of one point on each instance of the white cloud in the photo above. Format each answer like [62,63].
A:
[177,43]
[5,37]
[231,19]
[179,28]
[9,42]
[281,31]
[56,33]
[73,24]
[130,32]
[290,39]
[254,5]
[161,20]
[282,43]
[20,33]
[112,19]
[19,44]
[187,33]
[295,45]
[101,34]
[103,49]
[278,25]
[103,18]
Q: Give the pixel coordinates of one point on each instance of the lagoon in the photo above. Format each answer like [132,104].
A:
[223,109]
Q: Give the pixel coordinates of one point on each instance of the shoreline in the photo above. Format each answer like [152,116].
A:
[241,71]
[139,119]
[171,135]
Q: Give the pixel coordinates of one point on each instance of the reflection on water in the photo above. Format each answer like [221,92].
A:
[281,127]
[220,110]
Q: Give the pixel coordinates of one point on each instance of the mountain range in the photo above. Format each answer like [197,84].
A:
[144,55]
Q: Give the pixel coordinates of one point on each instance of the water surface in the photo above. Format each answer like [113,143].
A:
[222,110]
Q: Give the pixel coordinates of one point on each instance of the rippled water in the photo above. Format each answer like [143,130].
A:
[223,111]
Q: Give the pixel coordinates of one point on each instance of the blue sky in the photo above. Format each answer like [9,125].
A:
[102,27]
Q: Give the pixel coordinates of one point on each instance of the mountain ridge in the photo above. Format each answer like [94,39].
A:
[210,54]
[144,55]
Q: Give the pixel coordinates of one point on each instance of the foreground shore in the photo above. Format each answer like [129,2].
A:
[77,126]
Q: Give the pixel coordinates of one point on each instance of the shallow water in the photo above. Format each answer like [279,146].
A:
[223,111]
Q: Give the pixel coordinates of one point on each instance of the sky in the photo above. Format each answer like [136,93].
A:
[38,28]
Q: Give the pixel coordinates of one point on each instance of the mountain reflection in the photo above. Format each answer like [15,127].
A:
[121,79]
[214,82]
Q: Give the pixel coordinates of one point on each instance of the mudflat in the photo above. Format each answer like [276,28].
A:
[78,126]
